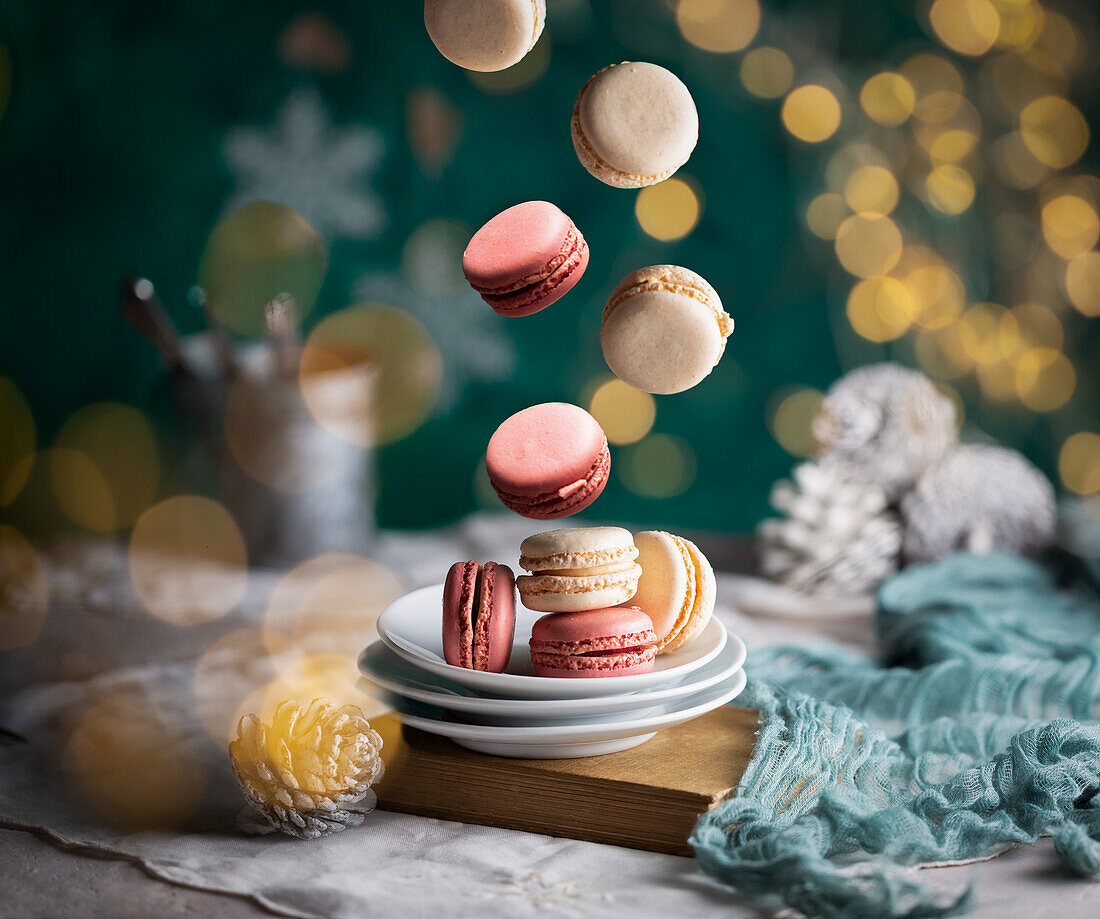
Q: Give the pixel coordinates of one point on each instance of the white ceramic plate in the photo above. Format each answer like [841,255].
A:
[394,674]
[413,627]
[567,741]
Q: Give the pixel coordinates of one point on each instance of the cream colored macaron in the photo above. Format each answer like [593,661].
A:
[484,35]
[677,589]
[664,329]
[634,124]
[578,569]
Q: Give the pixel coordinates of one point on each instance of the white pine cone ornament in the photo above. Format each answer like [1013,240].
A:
[887,423]
[838,537]
[979,499]
[310,771]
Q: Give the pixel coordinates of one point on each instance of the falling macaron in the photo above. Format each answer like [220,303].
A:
[634,124]
[664,329]
[484,35]
[548,461]
[677,589]
[593,643]
[525,258]
[479,616]
[578,569]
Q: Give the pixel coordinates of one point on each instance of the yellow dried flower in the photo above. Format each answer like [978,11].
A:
[310,771]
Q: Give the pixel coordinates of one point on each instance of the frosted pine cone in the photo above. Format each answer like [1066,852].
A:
[887,423]
[309,772]
[979,499]
[837,539]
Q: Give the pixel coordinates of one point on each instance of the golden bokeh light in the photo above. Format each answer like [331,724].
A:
[17,445]
[980,335]
[1018,79]
[661,466]
[388,374]
[1083,282]
[1058,38]
[187,560]
[888,98]
[930,74]
[848,159]
[131,764]
[256,254]
[941,355]
[106,468]
[718,25]
[968,27]
[826,213]
[811,113]
[626,414]
[228,672]
[938,295]
[1045,379]
[1033,326]
[791,421]
[952,145]
[868,245]
[520,76]
[1079,463]
[880,308]
[1021,22]
[24,591]
[1015,164]
[767,72]
[1055,131]
[950,189]
[997,381]
[871,190]
[668,210]
[1070,225]
[328,603]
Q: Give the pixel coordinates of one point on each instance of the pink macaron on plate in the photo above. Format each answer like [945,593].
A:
[410,626]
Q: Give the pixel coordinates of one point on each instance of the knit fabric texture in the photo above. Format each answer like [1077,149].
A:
[975,731]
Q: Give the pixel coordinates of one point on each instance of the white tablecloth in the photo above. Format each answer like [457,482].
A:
[98,640]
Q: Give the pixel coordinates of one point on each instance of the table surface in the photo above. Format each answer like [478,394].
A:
[40,879]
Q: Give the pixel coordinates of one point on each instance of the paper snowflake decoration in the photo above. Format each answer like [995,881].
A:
[304,162]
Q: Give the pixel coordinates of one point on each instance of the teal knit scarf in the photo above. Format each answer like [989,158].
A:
[974,732]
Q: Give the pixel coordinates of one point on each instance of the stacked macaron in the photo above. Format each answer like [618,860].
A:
[579,576]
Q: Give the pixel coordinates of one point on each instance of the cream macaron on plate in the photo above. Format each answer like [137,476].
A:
[383,666]
[591,738]
[411,627]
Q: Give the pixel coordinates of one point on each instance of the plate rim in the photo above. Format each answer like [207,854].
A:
[541,687]
[529,734]
[618,702]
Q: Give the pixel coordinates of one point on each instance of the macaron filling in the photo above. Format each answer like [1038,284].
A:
[677,286]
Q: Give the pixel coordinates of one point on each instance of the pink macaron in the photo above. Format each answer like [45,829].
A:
[479,616]
[616,641]
[549,461]
[525,258]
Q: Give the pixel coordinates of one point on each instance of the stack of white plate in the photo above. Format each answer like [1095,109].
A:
[519,714]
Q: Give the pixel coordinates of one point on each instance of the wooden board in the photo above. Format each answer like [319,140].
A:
[644,798]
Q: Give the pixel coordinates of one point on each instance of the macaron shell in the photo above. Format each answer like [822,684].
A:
[549,460]
[664,329]
[459,590]
[484,35]
[541,294]
[634,124]
[666,589]
[597,630]
[517,247]
[495,625]
[625,663]
[706,595]
[577,547]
